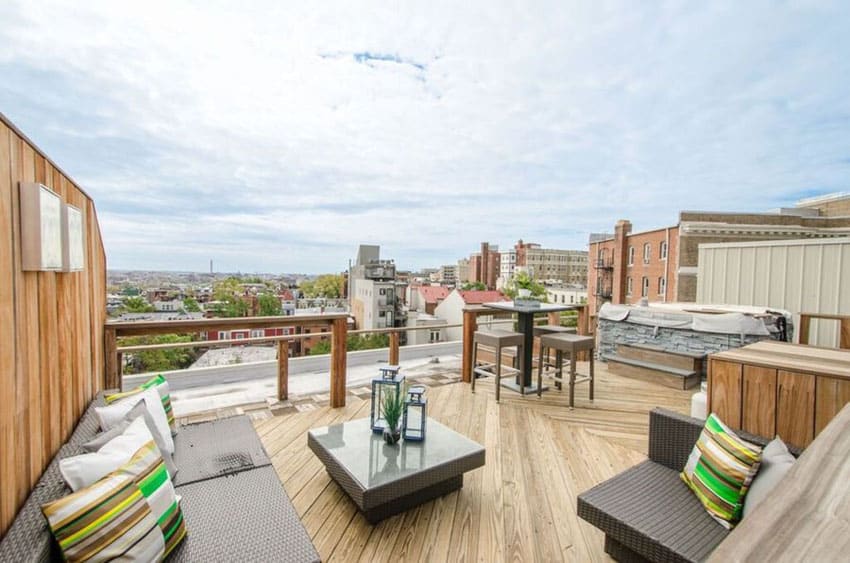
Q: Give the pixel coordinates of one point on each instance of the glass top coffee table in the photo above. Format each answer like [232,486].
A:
[385,480]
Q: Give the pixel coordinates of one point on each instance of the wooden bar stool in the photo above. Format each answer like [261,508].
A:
[497,339]
[564,344]
[552,329]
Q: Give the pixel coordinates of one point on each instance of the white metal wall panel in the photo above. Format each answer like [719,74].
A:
[797,275]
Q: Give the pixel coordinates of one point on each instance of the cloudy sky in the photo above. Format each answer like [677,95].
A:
[278,137]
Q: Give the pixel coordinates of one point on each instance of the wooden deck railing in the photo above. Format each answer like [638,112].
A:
[844,327]
[337,324]
[470,325]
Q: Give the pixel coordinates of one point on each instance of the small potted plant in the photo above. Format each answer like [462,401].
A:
[525,287]
[393,407]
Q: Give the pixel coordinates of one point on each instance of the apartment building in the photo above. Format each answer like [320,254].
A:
[374,291]
[552,265]
[661,265]
[447,274]
[463,271]
[485,265]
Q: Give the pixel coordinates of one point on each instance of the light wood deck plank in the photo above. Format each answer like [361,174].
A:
[521,506]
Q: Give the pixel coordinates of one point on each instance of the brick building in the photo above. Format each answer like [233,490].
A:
[661,265]
[485,266]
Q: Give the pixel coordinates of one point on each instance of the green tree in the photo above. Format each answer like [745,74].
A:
[228,294]
[158,360]
[269,305]
[478,286]
[354,342]
[191,305]
[137,305]
[326,285]
[522,280]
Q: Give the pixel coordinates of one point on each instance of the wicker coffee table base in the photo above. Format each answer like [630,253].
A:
[412,500]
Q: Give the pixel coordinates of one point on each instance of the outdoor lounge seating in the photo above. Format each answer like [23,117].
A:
[233,502]
[647,512]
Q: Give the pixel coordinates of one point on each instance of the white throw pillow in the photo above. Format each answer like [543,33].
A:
[776,462]
[80,471]
[112,415]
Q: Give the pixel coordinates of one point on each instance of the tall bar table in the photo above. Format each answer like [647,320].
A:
[525,325]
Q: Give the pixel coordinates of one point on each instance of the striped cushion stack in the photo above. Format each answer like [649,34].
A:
[159,382]
[131,513]
[720,469]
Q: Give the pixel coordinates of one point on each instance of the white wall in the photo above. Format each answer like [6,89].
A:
[811,276]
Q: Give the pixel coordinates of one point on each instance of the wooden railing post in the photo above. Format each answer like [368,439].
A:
[339,332]
[394,338]
[554,318]
[282,370]
[112,374]
[470,325]
[805,323]
[844,339]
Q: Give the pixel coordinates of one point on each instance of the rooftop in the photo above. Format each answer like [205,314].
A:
[521,506]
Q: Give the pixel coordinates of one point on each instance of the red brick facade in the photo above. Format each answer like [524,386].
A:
[630,266]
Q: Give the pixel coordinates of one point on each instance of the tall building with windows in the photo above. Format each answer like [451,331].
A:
[374,293]
[661,265]
[551,264]
[484,266]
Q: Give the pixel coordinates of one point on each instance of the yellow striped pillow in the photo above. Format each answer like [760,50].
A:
[131,513]
[159,383]
[720,469]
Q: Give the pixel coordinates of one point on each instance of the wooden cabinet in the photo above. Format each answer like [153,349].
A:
[725,396]
[773,388]
[759,401]
[795,407]
[831,394]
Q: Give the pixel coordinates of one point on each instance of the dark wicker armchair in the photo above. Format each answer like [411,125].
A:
[647,512]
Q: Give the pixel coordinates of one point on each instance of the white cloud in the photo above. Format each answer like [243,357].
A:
[265,137]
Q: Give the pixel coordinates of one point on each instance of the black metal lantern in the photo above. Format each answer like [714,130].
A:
[381,385]
[413,428]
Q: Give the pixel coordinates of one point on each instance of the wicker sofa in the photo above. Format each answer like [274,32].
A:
[647,512]
[232,500]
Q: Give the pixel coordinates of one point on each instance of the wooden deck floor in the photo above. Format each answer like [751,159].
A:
[519,507]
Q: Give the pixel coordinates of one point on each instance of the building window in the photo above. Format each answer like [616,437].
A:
[434,336]
[662,250]
[222,335]
[647,251]
[383,291]
[628,286]
[382,314]
[631,255]
[662,286]
[256,334]
[644,286]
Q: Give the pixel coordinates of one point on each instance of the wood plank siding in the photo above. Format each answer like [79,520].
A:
[51,342]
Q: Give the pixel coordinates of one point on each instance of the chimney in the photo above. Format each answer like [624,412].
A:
[620,258]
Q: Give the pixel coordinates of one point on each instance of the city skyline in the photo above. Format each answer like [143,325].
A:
[313,129]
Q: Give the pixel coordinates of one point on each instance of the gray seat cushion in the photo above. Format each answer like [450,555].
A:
[244,516]
[212,449]
[651,510]
[29,538]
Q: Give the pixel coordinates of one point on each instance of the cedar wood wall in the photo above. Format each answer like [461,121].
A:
[51,330]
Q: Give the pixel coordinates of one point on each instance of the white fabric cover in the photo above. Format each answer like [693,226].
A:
[83,470]
[611,312]
[730,323]
[776,462]
[112,415]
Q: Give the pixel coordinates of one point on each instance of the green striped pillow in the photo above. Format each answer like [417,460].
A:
[720,469]
[161,384]
[131,513]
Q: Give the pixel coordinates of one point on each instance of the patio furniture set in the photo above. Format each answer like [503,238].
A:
[553,339]
[233,503]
